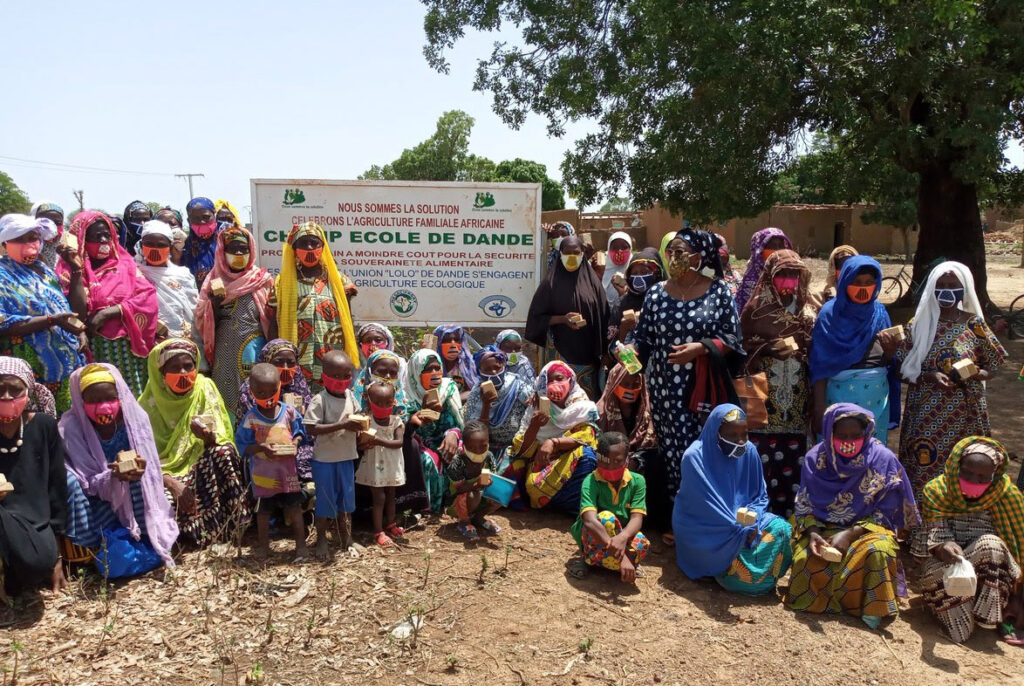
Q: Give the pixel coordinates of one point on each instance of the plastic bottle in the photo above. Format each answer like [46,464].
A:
[627,356]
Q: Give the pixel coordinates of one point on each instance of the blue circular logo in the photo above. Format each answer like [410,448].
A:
[403,303]
[497,306]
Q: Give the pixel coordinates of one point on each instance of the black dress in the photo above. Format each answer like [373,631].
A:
[35,511]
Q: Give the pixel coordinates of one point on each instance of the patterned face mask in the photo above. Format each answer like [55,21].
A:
[847,449]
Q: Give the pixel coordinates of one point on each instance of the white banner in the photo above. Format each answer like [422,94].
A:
[421,252]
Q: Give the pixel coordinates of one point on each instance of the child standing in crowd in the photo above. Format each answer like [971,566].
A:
[383,467]
[334,455]
[467,503]
[269,435]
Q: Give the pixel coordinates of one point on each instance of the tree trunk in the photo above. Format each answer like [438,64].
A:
[950,225]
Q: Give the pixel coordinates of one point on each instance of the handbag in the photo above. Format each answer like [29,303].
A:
[752,391]
[713,381]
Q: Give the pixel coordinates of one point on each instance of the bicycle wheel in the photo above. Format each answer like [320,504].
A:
[1016,318]
[892,290]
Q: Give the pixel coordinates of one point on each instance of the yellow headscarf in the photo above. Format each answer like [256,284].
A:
[287,287]
[221,204]
[94,374]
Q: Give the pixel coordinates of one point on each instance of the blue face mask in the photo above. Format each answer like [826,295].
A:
[497,379]
[949,297]
[732,449]
[639,283]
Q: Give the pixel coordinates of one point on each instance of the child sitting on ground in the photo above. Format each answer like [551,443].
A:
[612,495]
[269,435]
[465,496]
[333,466]
[383,466]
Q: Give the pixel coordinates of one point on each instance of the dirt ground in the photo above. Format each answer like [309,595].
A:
[501,612]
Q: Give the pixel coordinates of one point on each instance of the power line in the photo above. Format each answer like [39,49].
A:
[60,166]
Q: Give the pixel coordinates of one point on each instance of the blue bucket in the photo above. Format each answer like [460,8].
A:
[500,490]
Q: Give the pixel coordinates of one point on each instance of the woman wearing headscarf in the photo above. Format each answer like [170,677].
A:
[511,343]
[503,414]
[372,337]
[55,213]
[552,453]
[683,319]
[973,511]
[176,292]
[731,277]
[311,301]
[32,460]
[940,407]
[644,270]
[663,247]
[722,474]
[780,311]
[135,215]
[569,290]
[456,353]
[235,326]
[36,321]
[195,442]
[104,420]
[620,250]
[848,363]
[201,245]
[436,442]
[836,259]
[762,245]
[226,214]
[172,217]
[110,294]
[556,232]
[285,356]
[854,497]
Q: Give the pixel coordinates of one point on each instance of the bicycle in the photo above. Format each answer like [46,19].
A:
[893,286]
[1015,319]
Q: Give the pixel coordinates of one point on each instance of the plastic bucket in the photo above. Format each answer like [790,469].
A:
[500,490]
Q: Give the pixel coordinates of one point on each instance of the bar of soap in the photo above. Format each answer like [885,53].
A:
[162,331]
[432,415]
[895,331]
[368,433]
[830,554]
[429,341]
[587,239]
[629,317]
[127,461]
[217,288]
[71,240]
[485,477]
[577,319]
[746,517]
[364,420]
[544,406]
[5,485]
[208,421]
[294,400]
[965,369]
[487,390]
[790,344]
[600,259]
[286,449]
[75,321]
[430,397]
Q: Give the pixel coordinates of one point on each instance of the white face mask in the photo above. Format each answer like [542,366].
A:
[571,262]
[476,458]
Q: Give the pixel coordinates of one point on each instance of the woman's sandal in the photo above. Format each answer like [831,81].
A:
[1010,635]
[394,530]
[468,531]
[384,541]
[578,568]
[488,525]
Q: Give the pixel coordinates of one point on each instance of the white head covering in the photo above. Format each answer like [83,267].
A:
[611,269]
[16,225]
[926,319]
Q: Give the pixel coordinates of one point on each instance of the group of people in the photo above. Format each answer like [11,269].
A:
[173,390]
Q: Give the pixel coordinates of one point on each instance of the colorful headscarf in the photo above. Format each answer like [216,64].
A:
[299,386]
[844,329]
[609,412]
[41,207]
[117,282]
[224,204]
[765,320]
[253,280]
[579,408]
[39,397]
[611,269]
[17,225]
[374,327]
[829,291]
[288,289]
[85,458]
[167,209]
[171,414]
[199,253]
[365,378]
[131,232]
[1003,501]
[704,244]
[665,240]
[466,367]
[712,488]
[447,392]
[512,385]
[844,491]
[756,263]
[523,368]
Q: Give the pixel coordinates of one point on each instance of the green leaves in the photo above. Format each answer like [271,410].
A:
[12,198]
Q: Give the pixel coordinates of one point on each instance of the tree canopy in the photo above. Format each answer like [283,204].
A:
[12,198]
[445,156]
[699,105]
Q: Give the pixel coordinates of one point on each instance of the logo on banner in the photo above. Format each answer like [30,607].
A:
[497,306]
[294,197]
[403,303]
[483,200]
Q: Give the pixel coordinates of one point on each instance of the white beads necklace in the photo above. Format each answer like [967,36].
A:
[17,444]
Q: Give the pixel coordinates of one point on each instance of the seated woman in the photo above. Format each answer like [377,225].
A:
[973,511]
[504,413]
[854,497]
[511,343]
[453,346]
[195,440]
[436,441]
[721,473]
[613,502]
[295,391]
[32,460]
[104,420]
[554,451]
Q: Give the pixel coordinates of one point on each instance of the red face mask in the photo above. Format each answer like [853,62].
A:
[268,403]
[450,351]
[23,253]
[98,251]
[860,294]
[309,258]
[204,230]
[156,256]
[619,257]
[430,380]
[12,409]
[625,395]
[369,348]
[336,386]
[766,253]
[786,285]
[612,475]
[180,383]
[558,390]
[287,374]
[847,449]
[104,413]
[379,412]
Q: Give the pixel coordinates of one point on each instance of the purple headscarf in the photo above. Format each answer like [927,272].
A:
[467,368]
[844,491]
[756,263]
[85,459]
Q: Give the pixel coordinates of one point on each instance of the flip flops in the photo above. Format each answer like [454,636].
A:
[383,540]
[488,525]
[468,531]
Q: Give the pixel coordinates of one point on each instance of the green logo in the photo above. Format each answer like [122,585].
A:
[294,197]
[483,200]
[403,303]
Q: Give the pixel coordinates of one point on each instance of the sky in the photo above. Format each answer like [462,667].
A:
[232,90]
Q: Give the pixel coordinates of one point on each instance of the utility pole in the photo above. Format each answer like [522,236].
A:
[189,177]
[80,197]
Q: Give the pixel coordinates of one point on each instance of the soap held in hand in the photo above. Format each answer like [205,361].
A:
[217,288]
[485,477]
[428,342]
[127,462]
[965,369]
[746,517]
[488,391]
[830,554]
[431,415]
[5,485]
[544,406]
[430,397]
[600,259]
[363,419]
[896,332]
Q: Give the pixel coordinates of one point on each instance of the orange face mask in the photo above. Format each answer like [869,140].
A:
[309,258]
[766,253]
[430,380]
[269,403]
[625,395]
[180,383]
[860,294]
[450,351]
[156,256]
